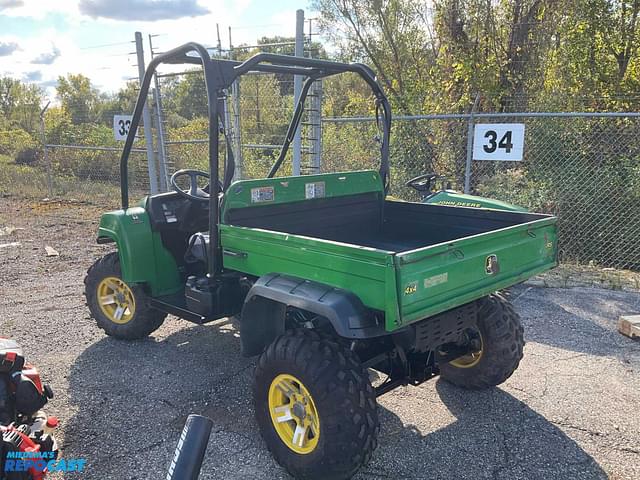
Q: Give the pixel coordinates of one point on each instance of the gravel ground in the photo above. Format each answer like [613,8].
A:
[570,411]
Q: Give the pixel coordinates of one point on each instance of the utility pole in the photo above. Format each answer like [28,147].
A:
[146,119]
[297,90]
[219,42]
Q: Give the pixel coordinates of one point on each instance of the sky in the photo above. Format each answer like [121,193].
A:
[41,40]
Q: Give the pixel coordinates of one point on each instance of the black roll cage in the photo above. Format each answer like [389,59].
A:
[219,75]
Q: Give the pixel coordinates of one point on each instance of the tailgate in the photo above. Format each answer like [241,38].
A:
[433,279]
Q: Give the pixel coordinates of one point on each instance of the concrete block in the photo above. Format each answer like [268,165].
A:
[629,325]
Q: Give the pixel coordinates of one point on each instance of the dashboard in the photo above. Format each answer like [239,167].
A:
[170,211]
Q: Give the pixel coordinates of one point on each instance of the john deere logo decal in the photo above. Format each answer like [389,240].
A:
[491,265]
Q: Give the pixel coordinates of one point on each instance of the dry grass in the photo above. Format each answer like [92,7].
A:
[23,181]
[576,275]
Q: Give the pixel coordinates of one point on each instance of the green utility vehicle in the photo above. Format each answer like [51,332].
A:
[426,186]
[327,277]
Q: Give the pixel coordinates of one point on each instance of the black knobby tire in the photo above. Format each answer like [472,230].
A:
[145,319]
[502,346]
[343,396]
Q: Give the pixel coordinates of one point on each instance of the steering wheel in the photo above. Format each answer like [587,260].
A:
[422,183]
[193,192]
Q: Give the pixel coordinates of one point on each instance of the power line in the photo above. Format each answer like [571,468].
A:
[106,45]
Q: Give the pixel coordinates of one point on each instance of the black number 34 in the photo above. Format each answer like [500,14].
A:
[504,143]
[124,127]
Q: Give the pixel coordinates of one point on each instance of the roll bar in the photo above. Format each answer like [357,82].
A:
[219,75]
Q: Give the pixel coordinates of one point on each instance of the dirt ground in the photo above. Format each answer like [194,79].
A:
[572,409]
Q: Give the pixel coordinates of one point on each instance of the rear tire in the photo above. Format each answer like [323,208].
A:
[502,342]
[343,408]
[136,320]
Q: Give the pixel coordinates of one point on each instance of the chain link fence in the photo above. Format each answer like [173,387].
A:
[257,109]
[584,168]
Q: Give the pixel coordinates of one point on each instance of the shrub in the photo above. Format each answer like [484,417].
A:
[28,156]
[13,141]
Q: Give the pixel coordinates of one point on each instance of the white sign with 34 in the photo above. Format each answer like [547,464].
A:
[498,141]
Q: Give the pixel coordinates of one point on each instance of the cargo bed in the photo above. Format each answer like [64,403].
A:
[410,260]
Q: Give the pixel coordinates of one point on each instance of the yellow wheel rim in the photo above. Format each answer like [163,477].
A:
[294,414]
[116,300]
[470,359]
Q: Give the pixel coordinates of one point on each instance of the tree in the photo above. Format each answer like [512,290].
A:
[389,35]
[122,102]
[596,54]
[520,54]
[19,104]
[79,98]
[189,96]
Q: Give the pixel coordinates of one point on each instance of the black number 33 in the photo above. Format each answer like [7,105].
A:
[504,143]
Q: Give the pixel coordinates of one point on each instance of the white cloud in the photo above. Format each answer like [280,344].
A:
[142,10]
[34,76]
[121,10]
[38,8]
[8,4]
[47,58]
[8,47]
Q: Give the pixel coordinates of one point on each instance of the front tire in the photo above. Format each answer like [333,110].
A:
[121,310]
[500,335]
[315,406]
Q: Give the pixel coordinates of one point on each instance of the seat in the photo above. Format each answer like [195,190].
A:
[197,248]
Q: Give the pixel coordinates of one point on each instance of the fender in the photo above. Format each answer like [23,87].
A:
[263,313]
[452,198]
[143,257]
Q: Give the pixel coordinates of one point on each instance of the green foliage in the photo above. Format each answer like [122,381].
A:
[435,56]
[120,103]
[13,141]
[58,125]
[87,164]
[190,155]
[19,105]
[190,96]
[514,186]
[79,98]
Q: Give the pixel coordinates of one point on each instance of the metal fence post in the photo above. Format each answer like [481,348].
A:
[237,135]
[470,125]
[162,151]
[315,122]
[146,120]
[44,150]
[315,115]
[297,89]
